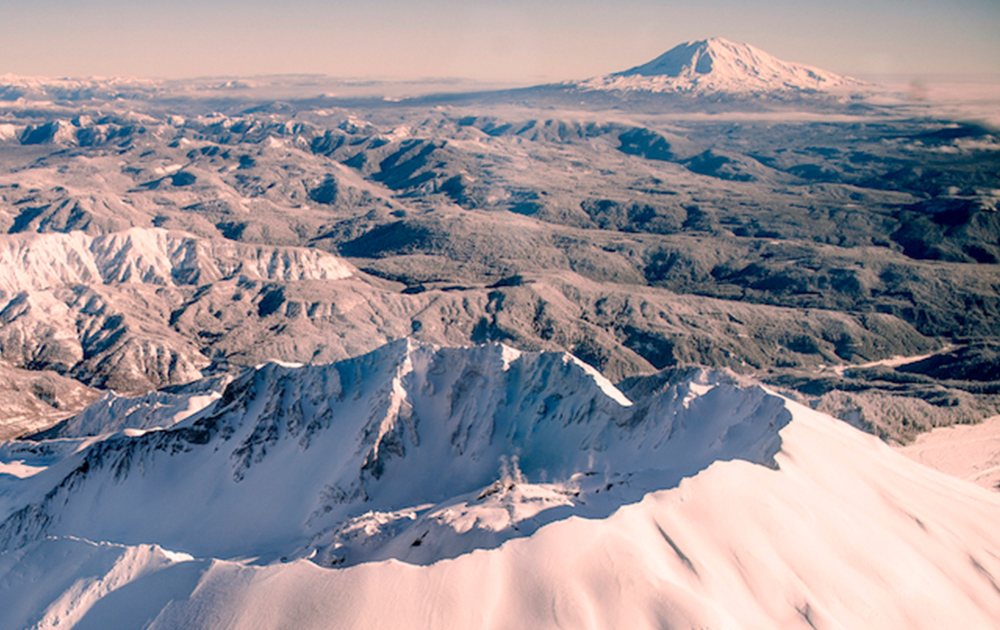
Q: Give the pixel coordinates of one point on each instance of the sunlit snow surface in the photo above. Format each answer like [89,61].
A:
[970,452]
[18,468]
[480,487]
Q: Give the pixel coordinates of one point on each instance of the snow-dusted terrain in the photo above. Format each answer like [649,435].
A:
[96,305]
[299,352]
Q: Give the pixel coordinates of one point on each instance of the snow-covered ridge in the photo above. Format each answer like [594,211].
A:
[34,262]
[708,503]
[155,410]
[107,567]
[473,445]
[718,65]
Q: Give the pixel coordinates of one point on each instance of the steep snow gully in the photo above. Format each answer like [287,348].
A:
[525,487]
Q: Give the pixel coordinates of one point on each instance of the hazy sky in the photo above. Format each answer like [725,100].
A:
[490,41]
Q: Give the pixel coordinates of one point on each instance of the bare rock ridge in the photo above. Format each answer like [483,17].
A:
[718,65]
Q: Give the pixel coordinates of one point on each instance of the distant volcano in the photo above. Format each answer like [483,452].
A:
[718,65]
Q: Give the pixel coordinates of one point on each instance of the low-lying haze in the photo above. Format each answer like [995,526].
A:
[518,42]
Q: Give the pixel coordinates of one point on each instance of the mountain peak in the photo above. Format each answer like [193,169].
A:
[719,65]
[701,57]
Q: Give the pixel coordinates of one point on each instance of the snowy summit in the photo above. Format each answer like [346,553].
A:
[718,65]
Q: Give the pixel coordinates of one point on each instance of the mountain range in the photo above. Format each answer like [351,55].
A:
[619,352]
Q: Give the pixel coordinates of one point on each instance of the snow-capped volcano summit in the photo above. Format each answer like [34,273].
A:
[719,65]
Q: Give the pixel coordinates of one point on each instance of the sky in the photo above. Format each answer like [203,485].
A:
[490,41]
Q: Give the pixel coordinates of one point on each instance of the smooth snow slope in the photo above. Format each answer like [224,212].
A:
[844,535]
[970,452]
[521,490]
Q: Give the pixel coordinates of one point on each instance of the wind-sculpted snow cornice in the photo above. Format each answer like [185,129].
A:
[34,262]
